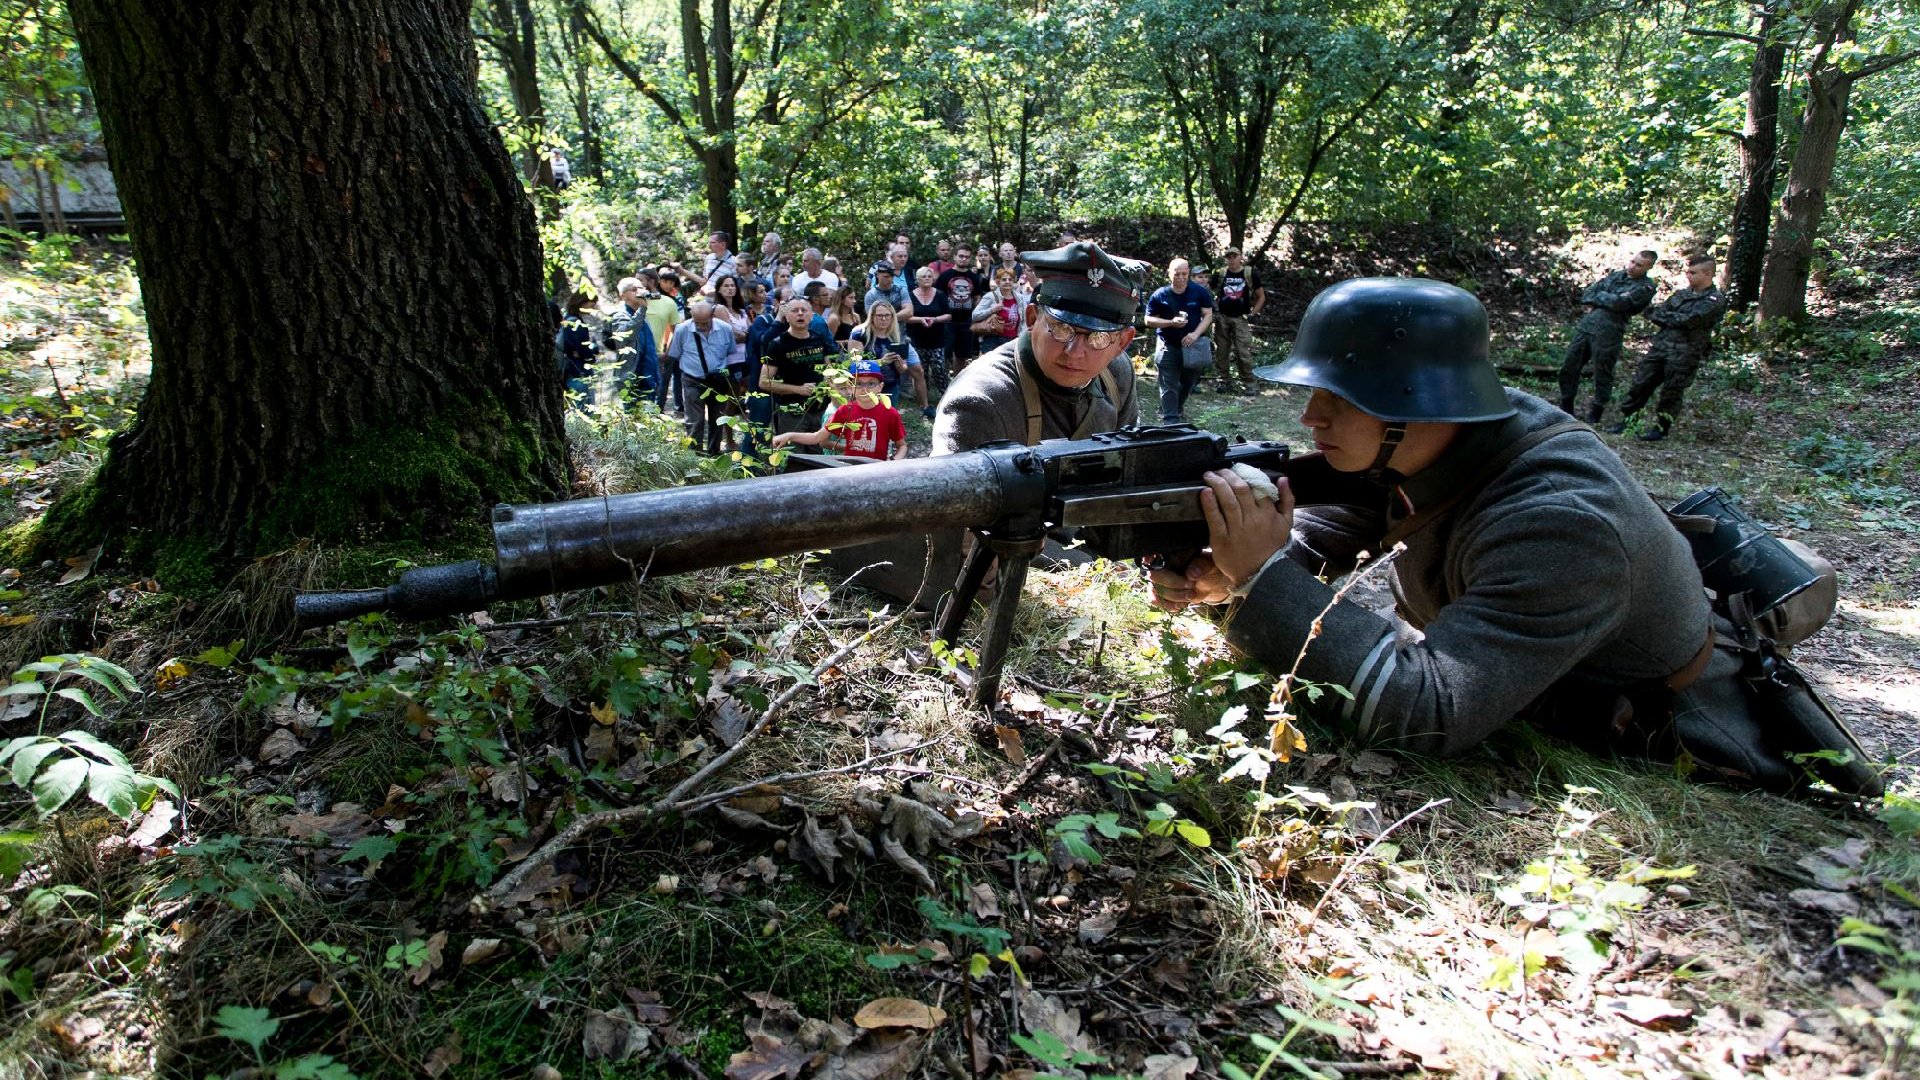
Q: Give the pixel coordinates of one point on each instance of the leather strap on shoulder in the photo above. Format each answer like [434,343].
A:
[1030,395]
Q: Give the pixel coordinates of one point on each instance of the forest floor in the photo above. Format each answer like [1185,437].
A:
[360,874]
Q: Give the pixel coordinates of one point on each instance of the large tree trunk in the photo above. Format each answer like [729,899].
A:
[714,91]
[340,270]
[1759,164]
[1783,285]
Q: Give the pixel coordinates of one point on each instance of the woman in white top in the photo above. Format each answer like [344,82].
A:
[730,307]
[880,339]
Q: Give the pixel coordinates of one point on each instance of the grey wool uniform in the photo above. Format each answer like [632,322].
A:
[1686,321]
[1560,571]
[1610,302]
[994,398]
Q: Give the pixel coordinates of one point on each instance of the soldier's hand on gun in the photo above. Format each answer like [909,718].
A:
[1200,583]
[1245,527]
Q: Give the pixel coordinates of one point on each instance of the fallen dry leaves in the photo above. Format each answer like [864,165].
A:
[894,1012]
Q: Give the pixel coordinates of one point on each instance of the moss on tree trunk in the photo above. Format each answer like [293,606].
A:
[341,275]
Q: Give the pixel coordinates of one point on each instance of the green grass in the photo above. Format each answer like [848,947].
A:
[701,956]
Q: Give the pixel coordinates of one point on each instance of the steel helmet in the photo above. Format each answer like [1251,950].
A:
[1404,350]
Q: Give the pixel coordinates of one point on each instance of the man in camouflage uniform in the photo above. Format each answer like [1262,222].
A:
[1686,321]
[1610,302]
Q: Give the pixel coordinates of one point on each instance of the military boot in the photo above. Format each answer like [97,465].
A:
[1595,413]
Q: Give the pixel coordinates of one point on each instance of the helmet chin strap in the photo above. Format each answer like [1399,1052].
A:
[1389,441]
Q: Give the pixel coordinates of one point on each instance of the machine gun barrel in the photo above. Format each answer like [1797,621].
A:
[1129,493]
[554,547]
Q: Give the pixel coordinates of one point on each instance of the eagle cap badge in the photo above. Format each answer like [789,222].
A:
[1095,276]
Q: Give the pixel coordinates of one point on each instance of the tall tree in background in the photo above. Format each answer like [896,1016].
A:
[1262,93]
[729,73]
[340,271]
[572,56]
[702,106]
[1757,146]
[1837,62]
[507,27]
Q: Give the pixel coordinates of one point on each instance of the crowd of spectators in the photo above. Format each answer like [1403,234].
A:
[754,338]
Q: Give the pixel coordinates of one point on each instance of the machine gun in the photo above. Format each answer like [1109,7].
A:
[1127,494]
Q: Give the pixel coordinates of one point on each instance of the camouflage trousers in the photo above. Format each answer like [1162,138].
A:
[1668,367]
[1599,348]
[1233,336]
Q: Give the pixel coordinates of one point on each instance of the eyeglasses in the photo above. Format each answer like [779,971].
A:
[1063,334]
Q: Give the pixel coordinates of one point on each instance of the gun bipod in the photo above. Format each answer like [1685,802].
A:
[1015,556]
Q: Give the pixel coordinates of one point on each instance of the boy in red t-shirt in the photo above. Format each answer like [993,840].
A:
[866,427]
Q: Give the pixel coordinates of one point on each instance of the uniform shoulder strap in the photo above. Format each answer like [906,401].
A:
[1495,465]
[1030,395]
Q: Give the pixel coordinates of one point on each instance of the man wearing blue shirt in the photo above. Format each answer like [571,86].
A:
[1181,312]
[700,348]
[631,340]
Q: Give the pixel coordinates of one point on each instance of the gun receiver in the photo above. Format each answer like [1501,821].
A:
[1129,493]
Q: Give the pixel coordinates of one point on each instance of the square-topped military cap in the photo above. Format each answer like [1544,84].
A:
[1081,285]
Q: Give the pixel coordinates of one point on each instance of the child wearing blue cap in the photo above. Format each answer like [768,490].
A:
[866,427]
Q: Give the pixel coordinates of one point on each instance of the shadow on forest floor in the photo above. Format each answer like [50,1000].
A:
[1527,910]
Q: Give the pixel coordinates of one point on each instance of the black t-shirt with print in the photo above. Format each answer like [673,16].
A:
[1235,291]
[963,289]
[800,361]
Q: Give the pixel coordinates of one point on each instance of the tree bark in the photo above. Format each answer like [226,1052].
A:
[340,270]
[1783,283]
[1759,150]
[710,62]
[1028,112]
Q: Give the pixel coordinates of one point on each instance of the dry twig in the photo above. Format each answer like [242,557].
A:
[682,795]
[1334,885]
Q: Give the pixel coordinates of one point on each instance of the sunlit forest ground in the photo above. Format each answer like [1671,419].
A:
[1036,875]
